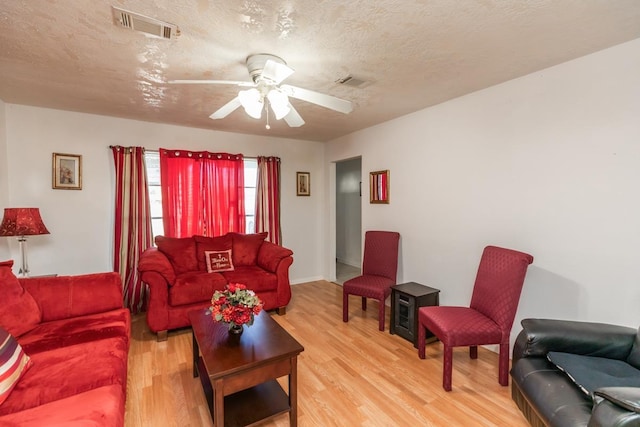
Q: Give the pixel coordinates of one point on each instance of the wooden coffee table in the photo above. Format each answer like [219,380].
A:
[238,374]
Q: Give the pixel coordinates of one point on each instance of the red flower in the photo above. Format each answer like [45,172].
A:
[235,305]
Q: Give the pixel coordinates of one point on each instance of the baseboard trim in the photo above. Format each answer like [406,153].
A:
[306,280]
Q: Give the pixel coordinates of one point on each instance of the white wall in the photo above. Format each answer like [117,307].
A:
[548,164]
[81,222]
[4,177]
[348,212]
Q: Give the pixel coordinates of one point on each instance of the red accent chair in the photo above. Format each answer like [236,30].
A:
[379,269]
[489,318]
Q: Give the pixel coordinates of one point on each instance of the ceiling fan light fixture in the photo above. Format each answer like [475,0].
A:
[279,103]
[252,102]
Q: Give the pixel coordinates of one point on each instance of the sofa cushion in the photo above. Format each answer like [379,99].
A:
[204,244]
[13,363]
[634,356]
[218,261]
[77,330]
[625,397]
[63,297]
[590,373]
[254,277]
[195,287]
[245,248]
[67,371]
[103,406]
[19,312]
[180,251]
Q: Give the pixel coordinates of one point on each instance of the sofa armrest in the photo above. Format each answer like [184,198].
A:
[541,336]
[270,255]
[152,260]
[63,297]
[616,407]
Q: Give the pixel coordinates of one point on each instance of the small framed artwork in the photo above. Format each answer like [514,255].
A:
[379,187]
[303,183]
[67,171]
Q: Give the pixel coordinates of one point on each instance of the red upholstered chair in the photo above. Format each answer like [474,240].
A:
[379,269]
[490,316]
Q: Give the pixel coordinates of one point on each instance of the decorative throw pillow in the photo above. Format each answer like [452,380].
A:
[19,312]
[13,364]
[180,251]
[246,247]
[204,244]
[218,261]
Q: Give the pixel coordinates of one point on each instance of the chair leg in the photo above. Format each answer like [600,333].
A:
[473,352]
[503,364]
[345,306]
[364,304]
[381,318]
[422,332]
[447,368]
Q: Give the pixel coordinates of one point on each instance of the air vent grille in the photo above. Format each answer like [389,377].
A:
[353,82]
[144,24]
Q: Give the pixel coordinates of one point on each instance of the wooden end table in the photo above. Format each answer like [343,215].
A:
[238,374]
[406,299]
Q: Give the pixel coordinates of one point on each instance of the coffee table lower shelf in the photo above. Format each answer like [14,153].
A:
[250,406]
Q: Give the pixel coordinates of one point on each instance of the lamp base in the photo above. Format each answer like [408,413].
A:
[24,266]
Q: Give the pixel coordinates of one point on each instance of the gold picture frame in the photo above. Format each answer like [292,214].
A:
[67,171]
[379,187]
[303,183]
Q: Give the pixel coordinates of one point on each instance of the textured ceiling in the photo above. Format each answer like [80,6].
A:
[69,55]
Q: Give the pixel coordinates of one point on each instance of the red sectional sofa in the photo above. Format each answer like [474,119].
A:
[76,333]
[181,280]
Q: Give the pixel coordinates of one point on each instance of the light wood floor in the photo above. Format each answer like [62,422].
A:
[349,374]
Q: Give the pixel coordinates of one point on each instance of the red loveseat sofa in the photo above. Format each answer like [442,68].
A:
[76,334]
[183,273]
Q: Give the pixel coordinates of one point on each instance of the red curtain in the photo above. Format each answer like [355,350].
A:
[202,193]
[180,177]
[268,198]
[132,225]
[223,194]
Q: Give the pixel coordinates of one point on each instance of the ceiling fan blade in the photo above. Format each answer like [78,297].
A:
[293,119]
[276,71]
[327,101]
[226,109]
[212,82]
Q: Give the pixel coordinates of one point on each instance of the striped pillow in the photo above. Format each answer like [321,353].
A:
[13,363]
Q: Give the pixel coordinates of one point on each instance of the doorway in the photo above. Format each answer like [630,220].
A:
[348,219]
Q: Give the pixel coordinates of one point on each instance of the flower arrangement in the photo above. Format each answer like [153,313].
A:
[236,305]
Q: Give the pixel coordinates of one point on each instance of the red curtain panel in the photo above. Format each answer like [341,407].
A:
[202,193]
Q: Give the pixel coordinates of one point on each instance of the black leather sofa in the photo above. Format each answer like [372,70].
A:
[548,396]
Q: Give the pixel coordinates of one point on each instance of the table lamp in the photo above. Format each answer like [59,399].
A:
[22,222]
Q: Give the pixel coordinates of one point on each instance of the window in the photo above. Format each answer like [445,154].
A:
[250,183]
[152,160]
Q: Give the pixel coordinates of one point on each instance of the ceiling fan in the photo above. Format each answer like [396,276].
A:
[267,72]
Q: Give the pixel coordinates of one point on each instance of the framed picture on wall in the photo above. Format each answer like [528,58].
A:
[67,171]
[303,183]
[379,187]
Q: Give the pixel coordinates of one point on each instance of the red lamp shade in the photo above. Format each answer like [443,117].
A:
[22,222]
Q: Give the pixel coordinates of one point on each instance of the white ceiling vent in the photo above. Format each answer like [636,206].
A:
[353,82]
[144,24]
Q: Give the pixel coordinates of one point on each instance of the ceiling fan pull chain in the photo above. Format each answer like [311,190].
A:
[266,107]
